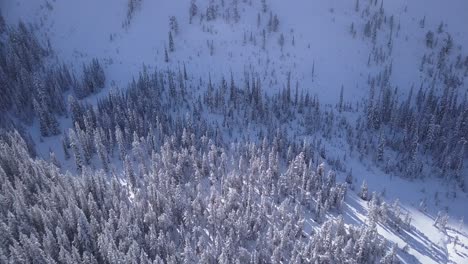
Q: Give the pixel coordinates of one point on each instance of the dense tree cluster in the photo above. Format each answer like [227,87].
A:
[431,120]
[179,173]
[164,103]
[391,215]
[28,88]
[32,87]
[185,204]
[202,170]
[94,80]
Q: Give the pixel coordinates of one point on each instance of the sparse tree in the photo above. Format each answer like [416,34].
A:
[281,41]
[193,11]
[364,192]
[171,42]
[173,25]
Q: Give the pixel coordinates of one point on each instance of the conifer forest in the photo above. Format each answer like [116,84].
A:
[233,131]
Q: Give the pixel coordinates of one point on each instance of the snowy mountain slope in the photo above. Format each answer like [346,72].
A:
[79,31]
[82,30]
[426,243]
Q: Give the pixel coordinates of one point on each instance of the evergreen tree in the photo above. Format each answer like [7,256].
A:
[340,103]
[381,147]
[193,10]
[171,42]
[173,25]
[364,192]
[281,41]
[166,55]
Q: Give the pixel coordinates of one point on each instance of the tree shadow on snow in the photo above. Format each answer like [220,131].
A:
[417,241]
[354,212]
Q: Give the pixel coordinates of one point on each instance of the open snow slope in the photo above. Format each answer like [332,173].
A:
[81,30]
[324,57]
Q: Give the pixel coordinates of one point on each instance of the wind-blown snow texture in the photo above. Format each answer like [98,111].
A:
[323,47]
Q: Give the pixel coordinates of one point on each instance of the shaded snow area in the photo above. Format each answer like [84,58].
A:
[233,131]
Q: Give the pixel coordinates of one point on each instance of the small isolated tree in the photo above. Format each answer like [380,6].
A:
[93,79]
[98,73]
[129,172]
[391,256]
[211,47]
[368,29]
[166,55]
[185,73]
[380,147]
[53,159]
[281,41]
[211,12]
[313,70]
[441,220]
[441,28]
[349,177]
[364,192]
[422,23]
[235,11]
[352,30]
[263,40]
[192,11]
[174,26]
[171,42]
[275,24]
[65,146]
[423,206]
[340,103]
[264,6]
[374,209]
[448,45]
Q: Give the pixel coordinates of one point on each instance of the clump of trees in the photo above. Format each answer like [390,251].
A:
[32,86]
[191,202]
[94,80]
[132,7]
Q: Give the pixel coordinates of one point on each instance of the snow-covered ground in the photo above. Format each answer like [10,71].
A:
[81,30]
[324,57]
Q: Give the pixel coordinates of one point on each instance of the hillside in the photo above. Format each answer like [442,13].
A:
[208,131]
